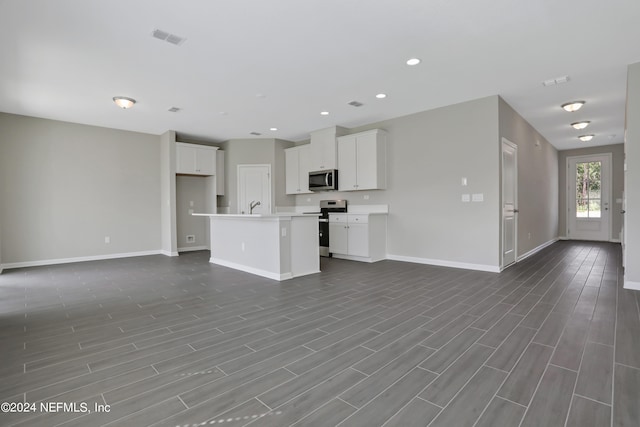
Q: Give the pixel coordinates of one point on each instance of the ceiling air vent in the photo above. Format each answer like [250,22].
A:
[173,109]
[556,81]
[255,133]
[168,37]
[356,104]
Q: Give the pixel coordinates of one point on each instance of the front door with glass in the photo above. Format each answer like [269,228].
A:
[588,190]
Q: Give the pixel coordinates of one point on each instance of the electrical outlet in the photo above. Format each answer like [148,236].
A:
[107,239]
[366,197]
[466,198]
[191,238]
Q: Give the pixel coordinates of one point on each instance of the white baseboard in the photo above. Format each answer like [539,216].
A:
[537,249]
[628,284]
[445,263]
[167,253]
[615,241]
[77,259]
[193,248]
[256,271]
[563,238]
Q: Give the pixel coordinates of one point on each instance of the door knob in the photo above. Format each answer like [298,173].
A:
[516,210]
[623,212]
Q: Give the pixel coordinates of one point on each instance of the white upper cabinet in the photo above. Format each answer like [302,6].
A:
[297,160]
[362,161]
[323,148]
[193,159]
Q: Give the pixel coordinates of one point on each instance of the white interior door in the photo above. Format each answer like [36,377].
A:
[254,185]
[509,202]
[588,190]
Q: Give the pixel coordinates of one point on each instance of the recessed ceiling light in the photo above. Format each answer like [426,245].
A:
[585,138]
[573,106]
[324,113]
[413,61]
[273,129]
[381,95]
[124,102]
[580,125]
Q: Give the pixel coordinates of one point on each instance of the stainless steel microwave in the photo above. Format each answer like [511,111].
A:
[325,180]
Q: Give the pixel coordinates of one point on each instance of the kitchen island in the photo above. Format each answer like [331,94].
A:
[277,246]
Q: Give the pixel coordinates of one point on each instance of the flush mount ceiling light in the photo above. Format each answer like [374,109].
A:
[580,125]
[586,138]
[413,61]
[381,95]
[124,102]
[573,106]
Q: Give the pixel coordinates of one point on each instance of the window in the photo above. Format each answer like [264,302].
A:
[588,189]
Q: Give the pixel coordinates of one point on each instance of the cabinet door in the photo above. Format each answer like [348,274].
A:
[292,171]
[185,159]
[347,163]
[304,166]
[366,159]
[323,150]
[205,161]
[338,238]
[358,239]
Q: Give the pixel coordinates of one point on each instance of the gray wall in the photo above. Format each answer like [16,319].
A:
[167,165]
[64,187]
[632,178]
[617,186]
[255,151]
[537,181]
[427,155]
[191,189]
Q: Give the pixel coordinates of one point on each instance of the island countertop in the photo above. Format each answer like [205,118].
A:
[278,246]
[250,216]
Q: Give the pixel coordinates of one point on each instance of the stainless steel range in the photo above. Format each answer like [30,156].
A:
[326,207]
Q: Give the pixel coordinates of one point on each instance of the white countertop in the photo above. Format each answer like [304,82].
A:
[250,216]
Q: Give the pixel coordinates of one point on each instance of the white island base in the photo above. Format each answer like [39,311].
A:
[279,246]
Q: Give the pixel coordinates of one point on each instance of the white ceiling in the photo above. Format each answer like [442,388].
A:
[278,63]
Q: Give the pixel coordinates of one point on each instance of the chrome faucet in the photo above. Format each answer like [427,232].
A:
[252,206]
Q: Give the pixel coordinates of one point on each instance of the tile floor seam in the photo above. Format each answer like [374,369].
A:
[511,401]
[593,400]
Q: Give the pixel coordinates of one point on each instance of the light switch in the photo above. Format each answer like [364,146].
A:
[477,197]
[191,203]
[190,211]
[463,181]
[466,198]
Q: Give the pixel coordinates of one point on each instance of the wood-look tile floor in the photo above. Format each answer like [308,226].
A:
[551,341]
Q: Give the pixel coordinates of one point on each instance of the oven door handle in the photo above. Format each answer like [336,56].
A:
[323,220]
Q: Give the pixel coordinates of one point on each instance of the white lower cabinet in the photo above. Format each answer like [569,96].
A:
[358,237]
